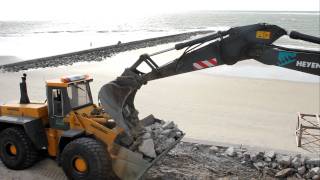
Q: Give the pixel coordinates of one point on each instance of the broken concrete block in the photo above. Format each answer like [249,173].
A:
[314,171]
[302,170]
[270,154]
[269,171]
[213,149]
[283,160]
[149,120]
[285,173]
[296,162]
[146,135]
[230,152]
[148,128]
[267,159]
[166,132]
[246,156]
[147,148]
[274,165]
[259,165]
[168,125]
[178,134]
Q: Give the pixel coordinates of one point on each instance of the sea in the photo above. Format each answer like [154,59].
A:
[25,40]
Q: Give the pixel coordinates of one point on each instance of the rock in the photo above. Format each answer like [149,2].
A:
[168,125]
[259,165]
[296,162]
[246,156]
[146,136]
[149,120]
[230,151]
[166,132]
[147,148]
[164,144]
[178,134]
[269,171]
[284,161]
[274,165]
[239,154]
[213,149]
[301,170]
[298,176]
[148,128]
[267,159]
[285,173]
[313,161]
[316,177]
[314,171]
[256,156]
[270,154]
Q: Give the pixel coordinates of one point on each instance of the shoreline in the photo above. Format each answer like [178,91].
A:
[96,54]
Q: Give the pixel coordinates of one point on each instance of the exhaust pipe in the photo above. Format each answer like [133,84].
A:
[24,98]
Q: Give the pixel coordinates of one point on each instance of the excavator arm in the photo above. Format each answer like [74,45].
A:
[226,47]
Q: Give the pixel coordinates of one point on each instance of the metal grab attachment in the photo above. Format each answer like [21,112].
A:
[308,128]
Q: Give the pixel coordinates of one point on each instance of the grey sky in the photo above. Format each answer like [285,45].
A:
[79,9]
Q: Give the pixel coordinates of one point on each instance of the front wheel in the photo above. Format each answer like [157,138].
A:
[16,149]
[86,159]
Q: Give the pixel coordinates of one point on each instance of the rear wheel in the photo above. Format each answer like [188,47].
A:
[16,149]
[86,159]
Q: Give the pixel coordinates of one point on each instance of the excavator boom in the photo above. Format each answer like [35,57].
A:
[227,47]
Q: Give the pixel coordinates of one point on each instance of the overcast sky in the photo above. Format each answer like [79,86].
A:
[87,9]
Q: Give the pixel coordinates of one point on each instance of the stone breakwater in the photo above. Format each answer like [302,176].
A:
[96,54]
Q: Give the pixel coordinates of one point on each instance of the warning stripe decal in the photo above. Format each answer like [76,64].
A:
[205,64]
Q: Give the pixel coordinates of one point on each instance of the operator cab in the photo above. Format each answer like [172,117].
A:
[70,93]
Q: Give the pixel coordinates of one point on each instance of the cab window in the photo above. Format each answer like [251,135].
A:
[78,94]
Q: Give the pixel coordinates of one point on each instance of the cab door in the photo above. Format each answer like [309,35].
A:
[59,107]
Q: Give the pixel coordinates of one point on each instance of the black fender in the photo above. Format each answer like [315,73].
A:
[68,136]
[32,126]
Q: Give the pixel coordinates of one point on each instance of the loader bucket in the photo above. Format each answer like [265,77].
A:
[112,98]
[117,99]
[128,165]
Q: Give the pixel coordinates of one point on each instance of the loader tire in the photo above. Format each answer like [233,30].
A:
[16,149]
[86,159]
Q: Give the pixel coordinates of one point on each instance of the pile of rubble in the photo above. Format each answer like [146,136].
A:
[278,165]
[158,136]
[192,161]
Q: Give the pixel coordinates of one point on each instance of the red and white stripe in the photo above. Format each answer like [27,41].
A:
[205,64]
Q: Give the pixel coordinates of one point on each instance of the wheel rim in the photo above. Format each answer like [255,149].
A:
[11,149]
[80,164]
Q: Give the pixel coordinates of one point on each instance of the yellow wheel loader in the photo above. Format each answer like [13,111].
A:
[70,127]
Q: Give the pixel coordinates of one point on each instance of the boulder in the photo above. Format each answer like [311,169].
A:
[296,162]
[313,172]
[146,135]
[283,160]
[168,125]
[285,173]
[302,170]
[147,148]
[213,149]
[270,154]
[230,152]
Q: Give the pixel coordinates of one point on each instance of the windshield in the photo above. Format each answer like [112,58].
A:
[79,94]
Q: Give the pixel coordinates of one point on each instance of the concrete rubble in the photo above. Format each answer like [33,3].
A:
[217,162]
[158,135]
